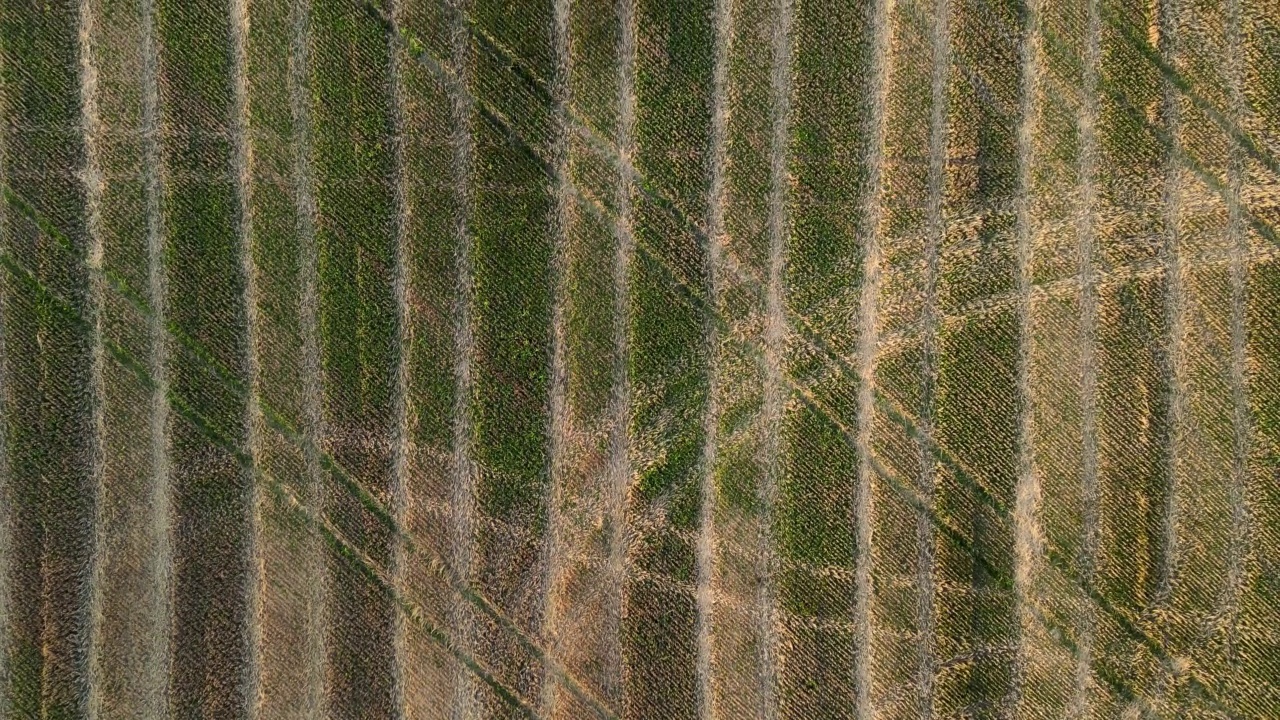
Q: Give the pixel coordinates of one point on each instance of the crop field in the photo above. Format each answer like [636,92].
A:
[643,359]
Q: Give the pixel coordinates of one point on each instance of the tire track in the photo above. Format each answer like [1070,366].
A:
[868,332]
[400,433]
[1173,270]
[463,480]
[940,71]
[1087,119]
[705,596]
[775,349]
[1174,363]
[162,473]
[242,166]
[1028,533]
[619,470]
[1241,422]
[315,676]
[559,421]
[92,178]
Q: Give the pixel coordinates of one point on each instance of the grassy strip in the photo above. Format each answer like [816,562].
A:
[1131,322]
[1256,645]
[1062,227]
[291,666]
[748,414]
[977,396]
[584,601]
[432,239]
[47,420]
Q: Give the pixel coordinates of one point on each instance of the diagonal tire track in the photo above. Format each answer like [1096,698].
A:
[1056,559]
[976,481]
[206,428]
[492,117]
[368,501]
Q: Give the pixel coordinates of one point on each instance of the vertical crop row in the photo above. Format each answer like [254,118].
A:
[1207,543]
[428,183]
[1059,351]
[512,222]
[353,165]
[1255,643]
[814,516]
[902,618]
[977,397]
[280,237]
[48,402]
[129,639]
[1133,386]
[746,432]
[668,359]
[590,469]
[203,300]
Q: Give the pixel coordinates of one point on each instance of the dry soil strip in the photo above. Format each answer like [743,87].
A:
[402,292]
[312,421]
[92,179]
[618,471]
[242,164]
[161,564]
[868,311]
[558,420]
[706,543]
[1028,535]
[774,350]
[925,573]
[1086,120]
[463,481]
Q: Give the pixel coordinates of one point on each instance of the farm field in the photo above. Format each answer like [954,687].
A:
[707,359]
